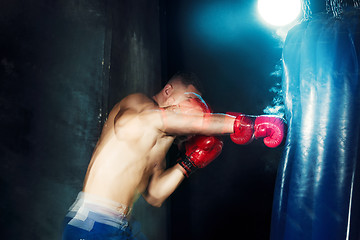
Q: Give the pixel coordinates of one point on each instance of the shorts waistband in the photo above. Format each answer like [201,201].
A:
[99,204]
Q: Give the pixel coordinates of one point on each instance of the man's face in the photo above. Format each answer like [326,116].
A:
[184,93]
[193,103]
[190,103]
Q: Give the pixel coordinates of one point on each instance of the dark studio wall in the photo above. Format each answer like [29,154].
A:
[51,83]
[63,64]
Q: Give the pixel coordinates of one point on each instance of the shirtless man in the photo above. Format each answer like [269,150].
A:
[129,158]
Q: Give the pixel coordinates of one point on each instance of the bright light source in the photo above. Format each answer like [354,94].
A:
[279,12]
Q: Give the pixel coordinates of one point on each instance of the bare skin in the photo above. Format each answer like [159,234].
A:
[129,157]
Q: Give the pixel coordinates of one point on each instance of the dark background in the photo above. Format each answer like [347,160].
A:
[64,64]
[234,54]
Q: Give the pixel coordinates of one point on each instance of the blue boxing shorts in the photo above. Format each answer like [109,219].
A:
[92,217]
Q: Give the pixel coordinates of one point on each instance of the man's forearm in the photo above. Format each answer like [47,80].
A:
[206,124]
[163,185]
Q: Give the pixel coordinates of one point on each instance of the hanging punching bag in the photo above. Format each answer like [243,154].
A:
[317,192]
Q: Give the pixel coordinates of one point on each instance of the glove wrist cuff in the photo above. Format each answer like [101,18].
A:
[187,165]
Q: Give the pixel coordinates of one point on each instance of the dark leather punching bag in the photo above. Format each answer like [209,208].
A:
[317,192]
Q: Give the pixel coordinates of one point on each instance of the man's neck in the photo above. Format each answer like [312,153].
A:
[154,98]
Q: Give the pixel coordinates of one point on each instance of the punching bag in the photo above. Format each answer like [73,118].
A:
[317,188]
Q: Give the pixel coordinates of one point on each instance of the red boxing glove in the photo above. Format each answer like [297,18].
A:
[243,129]
[271,128]
[246,128]
[199,152]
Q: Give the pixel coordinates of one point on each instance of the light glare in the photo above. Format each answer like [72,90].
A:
[279,12]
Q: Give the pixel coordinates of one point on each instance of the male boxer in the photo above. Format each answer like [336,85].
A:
[128,159]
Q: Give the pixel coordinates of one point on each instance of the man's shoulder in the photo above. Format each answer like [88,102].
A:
[135,106]
[136,101]
[136,98]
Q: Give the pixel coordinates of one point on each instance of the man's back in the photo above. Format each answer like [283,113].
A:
[129,150]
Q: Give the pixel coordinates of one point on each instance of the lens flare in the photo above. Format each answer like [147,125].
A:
[279,12]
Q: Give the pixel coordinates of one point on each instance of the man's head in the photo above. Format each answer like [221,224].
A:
[174,92]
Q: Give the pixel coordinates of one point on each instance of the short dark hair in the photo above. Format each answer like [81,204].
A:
[189,78]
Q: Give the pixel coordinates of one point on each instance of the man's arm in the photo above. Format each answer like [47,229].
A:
[175,120]
[179,123]
[240,126]
[162,184]
[199,152]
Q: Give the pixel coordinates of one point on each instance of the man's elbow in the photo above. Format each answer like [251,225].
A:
[153,200]
[156,203]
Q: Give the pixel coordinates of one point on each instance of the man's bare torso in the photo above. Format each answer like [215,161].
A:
[124,160]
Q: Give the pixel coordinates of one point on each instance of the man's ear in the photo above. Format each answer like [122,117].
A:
[167,94]
[168,89]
